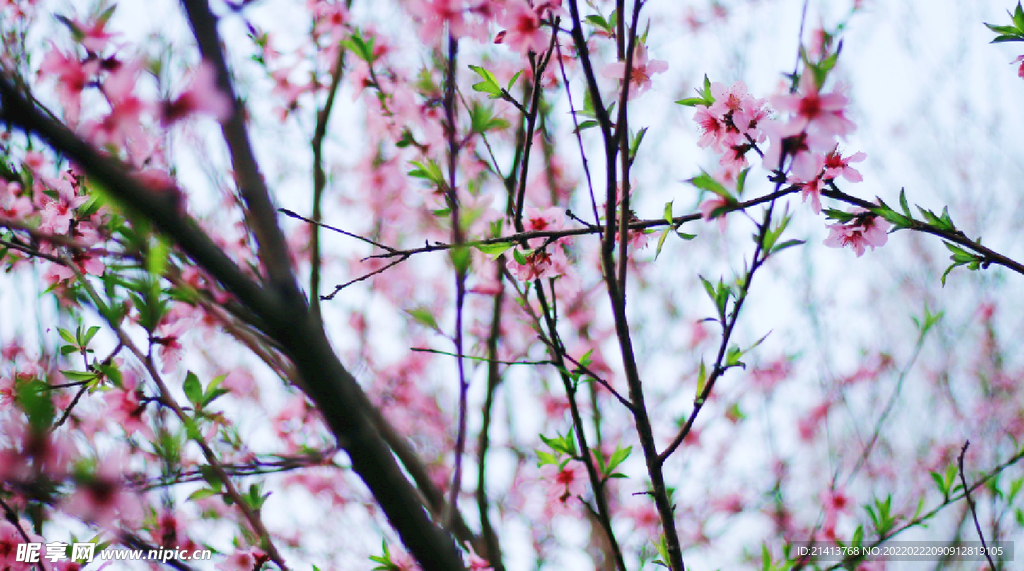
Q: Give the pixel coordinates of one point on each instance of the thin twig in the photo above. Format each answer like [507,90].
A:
[970,502]
[338,288]
[298,216]
[319,176]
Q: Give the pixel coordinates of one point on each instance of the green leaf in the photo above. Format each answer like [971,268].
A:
[787,244]
[710,289]
[662,547]
[512,81]
[104,16]
[661,242]
[362,48]
[692,102]
[90,334]
[67,336]
[202,493]
[635,145]
[156,258]
[617,458]
[461,259]
[494,249]
[839,215]
[482,119]
[193,389]
[489,85]
[78,376]
[702,377]
[429,171]
[741,181]
[904,205]
[704,181]
[545,458]
[423,316]
[590,123]
[34,399]
[562,444]
[733,356]
[950,476]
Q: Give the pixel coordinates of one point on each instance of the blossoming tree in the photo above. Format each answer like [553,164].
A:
[530,359]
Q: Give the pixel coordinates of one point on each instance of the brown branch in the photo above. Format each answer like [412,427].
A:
[320,177]
[728,327]
[970,502]
[260,212]
[493,547]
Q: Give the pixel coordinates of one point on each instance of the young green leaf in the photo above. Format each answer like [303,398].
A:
[494,249]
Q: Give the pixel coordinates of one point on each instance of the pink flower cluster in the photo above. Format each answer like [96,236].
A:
[117,80]
[732,125]
[546,259]
[866,229]
[523,31]
[803,147]
[640,74]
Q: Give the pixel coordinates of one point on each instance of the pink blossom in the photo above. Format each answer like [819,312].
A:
[33,453]
[820,112]
[35,160]
[766,377]
[807,175]
[123,123]
[7,389]
[640,74]
[201,96]
[330,15]
[1020,70]
[709,206]
[808,425]
[72,77]
[94,34]
[834,502]
[13,204]
[242,384]
[10,538]
[477,563]
[865,230]
[734,160]
[58,212]
[549,262]
[792,140]
[564,484]
[733,99]
[101,498]
[290,91]
[836,165]
[732,124]
[698,333]
[168,338]
[243,560]
[124,406]
[713,129]
[540,220]
[121,82]
[433,15]
[523,32]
